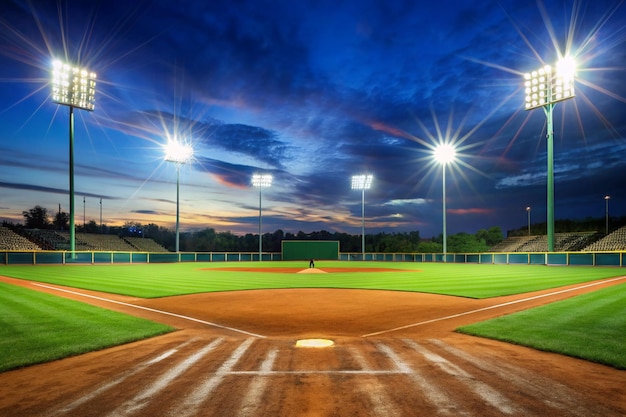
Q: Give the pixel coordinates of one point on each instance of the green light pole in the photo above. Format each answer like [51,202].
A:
[73,87]
[445,153]
[178,153]
[261,181]
[545,87]
[362,182]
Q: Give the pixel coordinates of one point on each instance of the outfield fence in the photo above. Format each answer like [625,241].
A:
[616,258]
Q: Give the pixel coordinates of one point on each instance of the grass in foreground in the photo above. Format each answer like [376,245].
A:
[590,326]
[163,280]
[36,327]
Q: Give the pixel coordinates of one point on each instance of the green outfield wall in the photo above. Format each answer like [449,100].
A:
[328,251]
[295,250]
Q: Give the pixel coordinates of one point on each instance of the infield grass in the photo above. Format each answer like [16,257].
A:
[163,280]
[590,326]
[36,327]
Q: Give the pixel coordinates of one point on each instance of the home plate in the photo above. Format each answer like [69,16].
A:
[311,271]
[314,343]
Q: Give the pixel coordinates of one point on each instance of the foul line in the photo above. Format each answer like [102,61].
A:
[492,307]
[167,313]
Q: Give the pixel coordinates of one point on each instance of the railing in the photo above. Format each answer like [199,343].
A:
[616,258]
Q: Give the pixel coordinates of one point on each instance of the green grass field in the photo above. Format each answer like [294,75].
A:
[36,327]
[163,280]
[42,316]
[590,326]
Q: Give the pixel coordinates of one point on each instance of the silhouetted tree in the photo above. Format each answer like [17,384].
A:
[36,218]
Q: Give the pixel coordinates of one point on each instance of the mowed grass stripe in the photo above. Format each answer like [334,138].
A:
[36,327]
[162,280]
[590,326]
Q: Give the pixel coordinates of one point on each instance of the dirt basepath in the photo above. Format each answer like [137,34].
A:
[394,354]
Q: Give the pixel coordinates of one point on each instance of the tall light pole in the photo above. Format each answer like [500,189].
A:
[261,181]
[362,182]
[544,88]
[76,88]
[444,154]
[178,153]
[606,199]
[528,211]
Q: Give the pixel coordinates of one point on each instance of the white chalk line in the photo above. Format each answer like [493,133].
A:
[561,397]
[258,386]
[193,401]
[167,313]
[142,399]
[105,387]
[484,391]
[433,393]
[465,313]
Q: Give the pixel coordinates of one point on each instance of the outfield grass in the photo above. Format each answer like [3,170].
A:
[163,280]
[590,326]
[36,327]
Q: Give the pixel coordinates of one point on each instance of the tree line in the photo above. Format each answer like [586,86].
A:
[210,240]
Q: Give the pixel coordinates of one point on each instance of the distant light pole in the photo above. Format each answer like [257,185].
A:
[528,211]
[606,199]
[100,215]
[445,153]
[544,88]
[261,181]
[362,182]
[76,88]
[178,153]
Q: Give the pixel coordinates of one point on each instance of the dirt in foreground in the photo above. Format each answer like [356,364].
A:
[394,354]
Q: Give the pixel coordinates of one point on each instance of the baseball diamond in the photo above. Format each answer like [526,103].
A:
[393,353]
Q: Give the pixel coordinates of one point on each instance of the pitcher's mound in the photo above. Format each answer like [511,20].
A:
[311,271]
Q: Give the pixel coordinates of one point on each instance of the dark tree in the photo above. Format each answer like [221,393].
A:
[36,218]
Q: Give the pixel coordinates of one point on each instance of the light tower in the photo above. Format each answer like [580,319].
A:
[544,88]
[445,153]
[362,182]
[76,88]
[261,181]
[178,153]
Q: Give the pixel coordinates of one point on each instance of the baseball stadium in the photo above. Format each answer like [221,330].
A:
[192,128]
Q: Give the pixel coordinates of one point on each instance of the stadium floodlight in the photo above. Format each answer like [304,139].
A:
[76,88]
[178,153]
[445,153]
[362,182]
[261,181]
[544,88]
[606,199]
[528,209]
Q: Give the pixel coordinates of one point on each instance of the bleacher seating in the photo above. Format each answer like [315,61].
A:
[511,244]
[615,240]
[9,240]
[55,240]
[563,242]
[145,244]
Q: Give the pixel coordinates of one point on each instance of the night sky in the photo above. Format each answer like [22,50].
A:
[313,92]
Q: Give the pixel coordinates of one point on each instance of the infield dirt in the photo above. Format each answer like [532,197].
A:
[249,366]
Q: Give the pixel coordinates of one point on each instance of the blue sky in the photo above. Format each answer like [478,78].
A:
[313,92]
